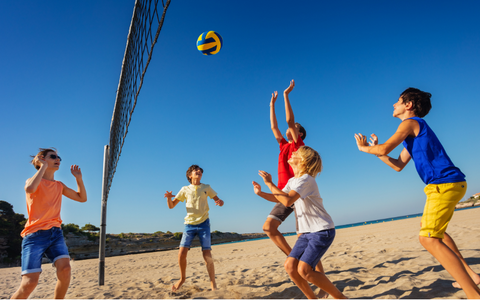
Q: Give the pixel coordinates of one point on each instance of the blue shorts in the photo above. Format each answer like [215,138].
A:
[49,242]
[203,232]
[311,246]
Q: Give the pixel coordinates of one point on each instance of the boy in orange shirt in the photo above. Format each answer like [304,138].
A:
[43,233]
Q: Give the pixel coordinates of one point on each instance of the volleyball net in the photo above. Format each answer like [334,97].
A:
[147,21]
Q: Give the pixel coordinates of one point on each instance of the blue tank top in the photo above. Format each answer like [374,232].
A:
[432,162]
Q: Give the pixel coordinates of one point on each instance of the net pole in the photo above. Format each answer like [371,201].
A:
[103,222]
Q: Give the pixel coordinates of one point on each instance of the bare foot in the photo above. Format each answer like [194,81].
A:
[214,286]
[475,278]
[322,295]
[177,285]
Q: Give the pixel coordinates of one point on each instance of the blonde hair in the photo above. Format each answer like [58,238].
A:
[42,152]
[311,161]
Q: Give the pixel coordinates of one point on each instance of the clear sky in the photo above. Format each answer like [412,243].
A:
[60,65]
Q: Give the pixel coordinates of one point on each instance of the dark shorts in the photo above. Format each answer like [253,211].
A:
[311,246]
[280,212]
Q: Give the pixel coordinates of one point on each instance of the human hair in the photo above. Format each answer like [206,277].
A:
[311,161]
[301,130]
[42,152]
[421,104]
[190,170]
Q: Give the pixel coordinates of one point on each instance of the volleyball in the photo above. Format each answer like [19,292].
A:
[209,43]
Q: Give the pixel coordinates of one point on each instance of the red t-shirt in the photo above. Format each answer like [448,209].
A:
[285,172]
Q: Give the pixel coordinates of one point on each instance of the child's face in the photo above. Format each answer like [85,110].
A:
[399,108]
[196,174]
[52,159]
[295,160]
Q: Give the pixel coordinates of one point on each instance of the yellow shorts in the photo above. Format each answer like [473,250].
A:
[439,208]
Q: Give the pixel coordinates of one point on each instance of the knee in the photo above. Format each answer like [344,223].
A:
[305,272]
[63,271]
[29,283]
[207,255]
[290,267]
[429,242]
[269,226]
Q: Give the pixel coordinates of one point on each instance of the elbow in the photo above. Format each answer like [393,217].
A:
[29,189]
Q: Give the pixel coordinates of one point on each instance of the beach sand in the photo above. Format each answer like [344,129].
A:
[382,260]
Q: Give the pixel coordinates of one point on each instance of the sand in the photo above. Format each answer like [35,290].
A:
[374,261]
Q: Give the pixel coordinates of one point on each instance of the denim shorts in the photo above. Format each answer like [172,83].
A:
[311,246]
[203,232]
[49,242]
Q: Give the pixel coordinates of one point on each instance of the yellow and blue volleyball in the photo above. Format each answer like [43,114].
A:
[209,43]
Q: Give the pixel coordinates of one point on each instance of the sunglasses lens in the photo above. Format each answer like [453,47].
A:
[53,156]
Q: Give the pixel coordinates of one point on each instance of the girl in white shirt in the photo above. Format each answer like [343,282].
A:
[315,225]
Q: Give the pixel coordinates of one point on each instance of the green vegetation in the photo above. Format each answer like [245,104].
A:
[11,225]
[178,235]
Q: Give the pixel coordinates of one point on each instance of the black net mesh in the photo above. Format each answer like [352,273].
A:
[147,16]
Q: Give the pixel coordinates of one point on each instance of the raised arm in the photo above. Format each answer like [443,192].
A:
[32,183]
[289,112]
[406,128]
[277,194]
[273,118]
[81,194]
[171,204]
[396,164]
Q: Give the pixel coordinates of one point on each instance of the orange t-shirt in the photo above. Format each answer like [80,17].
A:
[43,207]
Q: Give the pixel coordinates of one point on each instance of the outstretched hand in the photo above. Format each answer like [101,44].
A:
[76,171]
[290,87]
[373,140]
[219,202]
[274,98]
[257,189]
[267,178]
[168,195]
[361,141]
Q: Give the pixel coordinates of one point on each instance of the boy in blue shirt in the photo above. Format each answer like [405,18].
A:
[446,184]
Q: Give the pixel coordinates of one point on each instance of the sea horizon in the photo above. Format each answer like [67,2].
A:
[390,219]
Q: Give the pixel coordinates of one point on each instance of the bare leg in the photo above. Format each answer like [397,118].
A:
[63,277]
[28,284]
[207,255]
[451,244]
[182,262]
[270,227]
[452,263]
[291,266]
[322,294]
[319,279]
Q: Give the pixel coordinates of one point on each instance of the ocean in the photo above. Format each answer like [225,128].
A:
[354,224]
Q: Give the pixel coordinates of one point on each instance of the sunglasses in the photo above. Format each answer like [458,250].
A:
[53,156]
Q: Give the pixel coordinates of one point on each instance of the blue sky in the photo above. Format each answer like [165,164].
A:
[60,66]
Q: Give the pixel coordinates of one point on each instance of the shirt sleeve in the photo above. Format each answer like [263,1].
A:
[210,192]
[287,188]
[301,186]
[181,195]
[282,142]
[299,143]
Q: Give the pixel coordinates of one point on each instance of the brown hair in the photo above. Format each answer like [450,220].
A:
[311,160]
[42,152]
[421,104]
[190,170]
